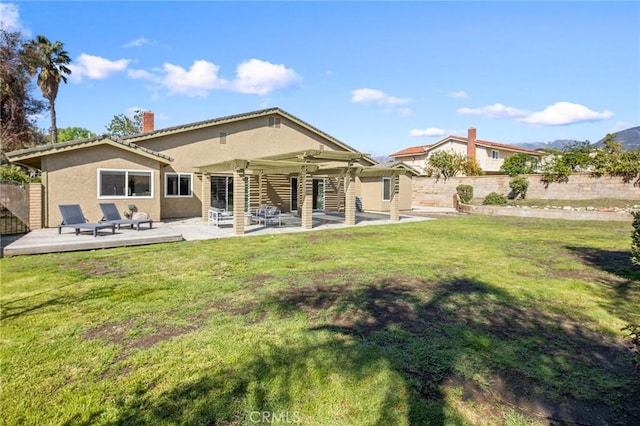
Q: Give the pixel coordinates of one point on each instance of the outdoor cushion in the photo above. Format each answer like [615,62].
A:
[72,217]
[111,215]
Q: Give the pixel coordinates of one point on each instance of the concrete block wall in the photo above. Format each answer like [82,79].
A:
[581,186]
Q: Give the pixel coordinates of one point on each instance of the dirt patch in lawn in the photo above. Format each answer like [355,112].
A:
[137,334]
[97,267]
[315,238]
[466,334]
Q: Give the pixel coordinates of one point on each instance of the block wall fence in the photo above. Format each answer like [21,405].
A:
[428,192]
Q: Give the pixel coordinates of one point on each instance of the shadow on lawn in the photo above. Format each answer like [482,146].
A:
[457,335]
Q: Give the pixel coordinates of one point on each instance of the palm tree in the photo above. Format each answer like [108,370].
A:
[49,61]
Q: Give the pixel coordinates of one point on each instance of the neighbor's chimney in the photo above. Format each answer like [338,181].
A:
[471,143]
[147,121]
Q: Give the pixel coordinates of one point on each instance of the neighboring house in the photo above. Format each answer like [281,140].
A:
[181,171]
[488,155]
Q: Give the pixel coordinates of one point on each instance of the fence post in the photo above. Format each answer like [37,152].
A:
[35,206]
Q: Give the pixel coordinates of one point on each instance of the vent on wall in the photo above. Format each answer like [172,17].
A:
[223,138]
[274,122]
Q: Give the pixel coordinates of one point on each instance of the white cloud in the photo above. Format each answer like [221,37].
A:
[142,75]
[429,131]
[197,81]
[368,96]
[95,67]
[564,113]
[494,111]
[460,94]
[10,19]
[252,77]
[405,111]
[139,42]
[261,77]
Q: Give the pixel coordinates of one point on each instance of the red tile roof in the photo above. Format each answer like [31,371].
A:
[422,149]
[414,150]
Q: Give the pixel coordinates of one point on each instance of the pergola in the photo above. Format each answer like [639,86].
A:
[307,164]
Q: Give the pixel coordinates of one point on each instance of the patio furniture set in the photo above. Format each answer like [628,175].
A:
[72,217]
[262,215]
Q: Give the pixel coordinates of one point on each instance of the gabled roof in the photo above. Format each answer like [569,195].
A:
[239,117]
[424,149]
[31,156]
[414,150]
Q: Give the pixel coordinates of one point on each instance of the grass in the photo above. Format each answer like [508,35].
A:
[472,320]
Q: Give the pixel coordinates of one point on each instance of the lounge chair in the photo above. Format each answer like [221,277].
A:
[268,214]
[219,217]
[111,215]
[72,217]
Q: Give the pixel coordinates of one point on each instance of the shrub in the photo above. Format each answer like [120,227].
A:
[635,239]
[13,173]
[519,164]
[519,185]
[494,199]
[465,192]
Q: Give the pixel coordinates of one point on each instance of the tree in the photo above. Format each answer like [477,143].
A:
[519,164]
[49,61]
[445,164]
[17,105]
[122,126]
[73,133]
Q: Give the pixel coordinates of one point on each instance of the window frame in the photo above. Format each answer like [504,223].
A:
[179,175]
[126,184]
[496,156]
[386,179]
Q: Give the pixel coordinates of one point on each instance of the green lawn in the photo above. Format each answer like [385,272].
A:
[470,320]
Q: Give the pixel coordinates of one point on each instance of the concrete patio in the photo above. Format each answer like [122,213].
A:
[49,241]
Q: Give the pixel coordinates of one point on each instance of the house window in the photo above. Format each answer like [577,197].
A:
[178,185]
[386,189]
[223,138]
[124,183]
[495,155]
[274,122]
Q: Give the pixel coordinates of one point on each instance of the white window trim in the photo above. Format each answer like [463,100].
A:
[390,189]
[497,156]
[126,180]
[166,184]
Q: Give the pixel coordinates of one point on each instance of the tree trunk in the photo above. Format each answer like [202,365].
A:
[54,129]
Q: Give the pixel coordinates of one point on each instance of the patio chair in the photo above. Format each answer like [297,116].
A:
[265,214]
[219,217]
[72,217]
[111,215]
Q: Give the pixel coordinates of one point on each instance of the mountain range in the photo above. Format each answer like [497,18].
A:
[629,138]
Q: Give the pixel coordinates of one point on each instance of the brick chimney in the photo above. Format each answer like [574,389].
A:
[471,143]
[147,121]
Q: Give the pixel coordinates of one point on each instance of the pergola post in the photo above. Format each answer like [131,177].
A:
[350,199]
[394,205]
[238,202]
[206,195]
[307,200]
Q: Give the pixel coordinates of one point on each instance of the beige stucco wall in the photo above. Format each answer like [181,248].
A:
[246,139]
[72,178]
[370,189]
[483,156]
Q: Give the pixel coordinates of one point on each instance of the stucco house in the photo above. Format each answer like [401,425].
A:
[235,162]
[488,155]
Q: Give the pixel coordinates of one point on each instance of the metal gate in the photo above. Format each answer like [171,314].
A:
[14,208]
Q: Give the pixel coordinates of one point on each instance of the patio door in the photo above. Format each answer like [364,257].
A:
[294,194]
[317,197]
[222,192]
[318,194]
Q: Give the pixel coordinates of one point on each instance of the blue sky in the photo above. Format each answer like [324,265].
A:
[379,76]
